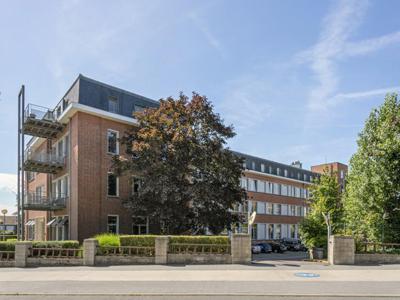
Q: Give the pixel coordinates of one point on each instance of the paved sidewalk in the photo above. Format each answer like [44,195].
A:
[254,281]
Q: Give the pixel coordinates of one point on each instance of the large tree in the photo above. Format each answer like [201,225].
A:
[372,202]
[325,199]
[188,180]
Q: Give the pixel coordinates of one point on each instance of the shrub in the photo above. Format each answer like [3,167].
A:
[202,239]
[108,240]
[191,242]
[7,246]
[138,240]
[56,244]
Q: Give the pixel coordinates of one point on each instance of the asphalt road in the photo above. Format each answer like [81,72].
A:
[266,279]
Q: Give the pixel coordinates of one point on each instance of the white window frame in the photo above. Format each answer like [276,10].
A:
[117,185]
[117,143]
[117,229]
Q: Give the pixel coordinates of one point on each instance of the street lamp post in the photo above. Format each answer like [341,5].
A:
[327,218]
[4,212]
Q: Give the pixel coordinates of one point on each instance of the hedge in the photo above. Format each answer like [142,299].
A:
[138,240]
[7,246]
[56,244]
[201,239]
[108,240]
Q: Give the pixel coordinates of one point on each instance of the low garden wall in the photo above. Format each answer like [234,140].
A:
[131,250]
[345,250]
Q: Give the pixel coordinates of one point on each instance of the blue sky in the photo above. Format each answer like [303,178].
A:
[296,78]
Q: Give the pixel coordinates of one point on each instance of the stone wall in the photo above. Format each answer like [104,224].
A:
[377,258]
[123,260]
[199,259]
[52,261]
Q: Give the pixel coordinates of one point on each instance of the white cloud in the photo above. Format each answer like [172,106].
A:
[334,45]
[344,97]
[371,45]
[209,36]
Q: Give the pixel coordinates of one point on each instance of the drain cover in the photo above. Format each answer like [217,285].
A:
[306,275]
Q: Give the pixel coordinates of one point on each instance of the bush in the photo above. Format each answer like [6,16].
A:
[108,240]
[138,240]
[56,244]
[7,246]
[203,239]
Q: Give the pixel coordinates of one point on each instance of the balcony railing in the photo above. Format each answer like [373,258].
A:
[40,201]
[42,122]
[43,162]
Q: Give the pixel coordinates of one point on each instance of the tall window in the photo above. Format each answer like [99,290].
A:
[278,231]
[112,185]
[112,224]
[285,172]
[260,207]
[112,141]
[270,208]
[277,209]
[113,105]
[271,231]
[253,165]
[135,185]
[262,168]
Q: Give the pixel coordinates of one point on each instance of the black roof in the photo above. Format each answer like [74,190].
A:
[271,167]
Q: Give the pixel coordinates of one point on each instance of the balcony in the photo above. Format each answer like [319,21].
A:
[41,122]
[43,162]
[40,201]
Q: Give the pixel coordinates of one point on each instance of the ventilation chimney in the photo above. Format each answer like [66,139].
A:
[297,164]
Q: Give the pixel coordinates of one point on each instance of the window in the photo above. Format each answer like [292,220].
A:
[292,231]
[253,165]
[277,209]
[277,231]
[112,142]
[260,207]
[139,225]
[260,186]
[269,208]
[276,190]
[271,231]
[268,187]
[136,183]
[112,224]
[251,185]
[305,177]
[244,165]
[292,210]
[278,171]
[113,105]
[243,183]
[297,192]
[284,209]
[298,176]
[60,148]
[285,172]
[299,211]
[138,108]
[262,168]
[284,190]
[269,169]
[341,174]
[112,185]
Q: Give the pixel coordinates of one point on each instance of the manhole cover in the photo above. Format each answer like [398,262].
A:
[306,275]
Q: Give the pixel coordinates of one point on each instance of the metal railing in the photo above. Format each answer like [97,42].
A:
[178,248]
[125,251]
[56,252]
[41,199]
[371,247]
[7,255]
[38,112]
[45,158]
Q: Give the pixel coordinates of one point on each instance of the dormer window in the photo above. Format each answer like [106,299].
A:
[262,168]
[113,105]
[253,165]
[285,173]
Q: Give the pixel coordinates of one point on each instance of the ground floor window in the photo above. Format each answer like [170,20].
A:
[113,224]
[58,229]
[140,225]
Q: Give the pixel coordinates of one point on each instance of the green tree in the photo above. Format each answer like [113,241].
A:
[325,198]
[372,202]
[188,180]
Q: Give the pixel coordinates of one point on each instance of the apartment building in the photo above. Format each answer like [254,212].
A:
[277,193]
[71,192]
[334,169]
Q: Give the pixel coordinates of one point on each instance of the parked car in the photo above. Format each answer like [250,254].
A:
[293,244]
[255,249]
[265,247]
[277,247]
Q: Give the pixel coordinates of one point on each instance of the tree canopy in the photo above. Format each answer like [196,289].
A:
[372,202]
[325,198]
[185,178]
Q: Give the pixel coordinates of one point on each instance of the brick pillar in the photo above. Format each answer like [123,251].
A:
[21,253]
[341,250]
[241,248]
[89,252]
[161,255]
